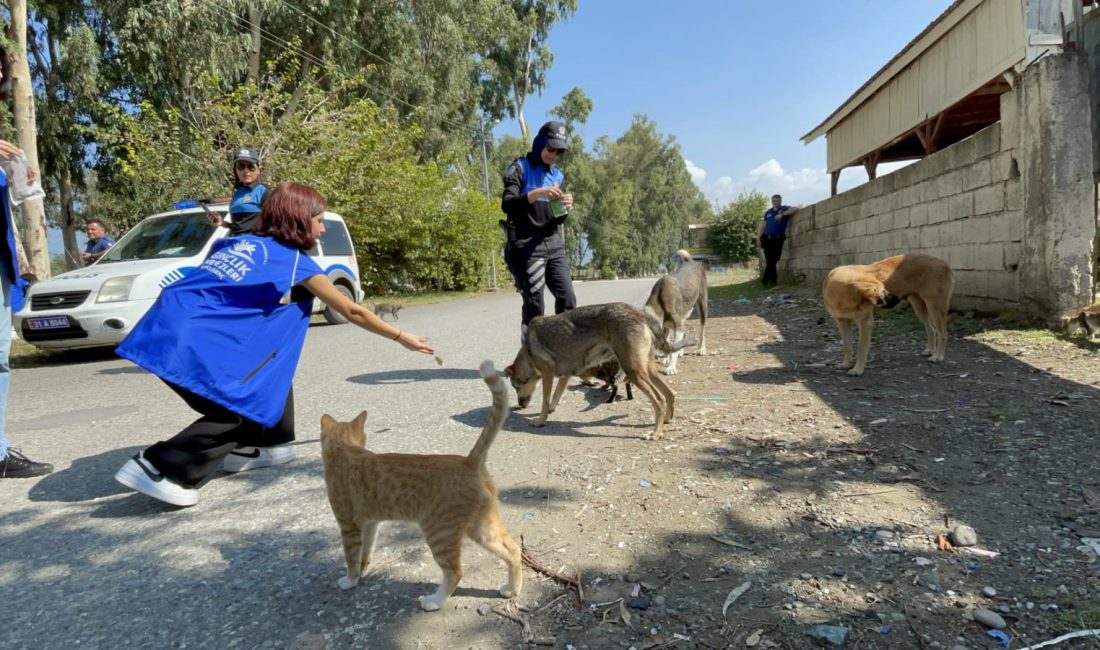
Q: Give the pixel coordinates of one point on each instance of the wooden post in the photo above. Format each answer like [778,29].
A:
[870,163]
[929,132]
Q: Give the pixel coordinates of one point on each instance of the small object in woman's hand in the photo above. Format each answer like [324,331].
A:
[438,360]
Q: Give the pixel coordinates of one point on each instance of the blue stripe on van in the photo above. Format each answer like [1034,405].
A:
[345,269]
[175,275]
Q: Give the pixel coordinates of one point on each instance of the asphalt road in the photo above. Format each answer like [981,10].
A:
[85,562]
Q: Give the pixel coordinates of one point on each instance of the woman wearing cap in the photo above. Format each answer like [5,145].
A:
[227,338]
[536,251]
[248,192]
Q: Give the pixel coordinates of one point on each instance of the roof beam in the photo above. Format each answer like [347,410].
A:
[929,132]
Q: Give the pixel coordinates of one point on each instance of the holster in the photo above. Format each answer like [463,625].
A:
[509,231]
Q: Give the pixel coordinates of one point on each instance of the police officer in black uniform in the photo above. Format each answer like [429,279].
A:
[536,206]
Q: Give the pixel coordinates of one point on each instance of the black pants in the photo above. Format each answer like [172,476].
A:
[773,250]
[197,451]
[537,263]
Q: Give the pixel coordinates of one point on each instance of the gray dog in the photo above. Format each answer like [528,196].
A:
[568,344]
[673,299]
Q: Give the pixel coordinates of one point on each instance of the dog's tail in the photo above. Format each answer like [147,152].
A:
[497,413]
[659,340]
[683,255]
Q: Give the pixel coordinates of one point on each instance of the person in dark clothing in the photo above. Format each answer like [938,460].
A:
[770,237]
[248,193]
[536,205]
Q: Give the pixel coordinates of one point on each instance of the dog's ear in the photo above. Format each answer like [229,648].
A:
[510,371]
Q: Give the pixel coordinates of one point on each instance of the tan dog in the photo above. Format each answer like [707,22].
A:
[568,344]
[853,292]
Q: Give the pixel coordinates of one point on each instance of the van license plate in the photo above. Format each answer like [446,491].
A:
[52,323]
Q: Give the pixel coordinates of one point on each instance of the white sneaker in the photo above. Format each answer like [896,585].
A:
[246,458]
[139,474]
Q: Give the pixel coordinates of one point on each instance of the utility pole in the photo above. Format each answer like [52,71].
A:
[484,158]
[491,267]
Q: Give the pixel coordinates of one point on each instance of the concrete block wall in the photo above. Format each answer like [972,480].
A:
[1012,209]
[960,204]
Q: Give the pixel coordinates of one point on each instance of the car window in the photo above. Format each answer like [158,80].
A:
[335,240]
[178,235]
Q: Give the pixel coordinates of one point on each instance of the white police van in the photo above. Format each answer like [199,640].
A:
[99,304]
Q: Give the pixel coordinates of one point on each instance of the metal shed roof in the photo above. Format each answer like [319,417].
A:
[943,86]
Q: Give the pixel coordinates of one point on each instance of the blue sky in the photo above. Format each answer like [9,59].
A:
[736,82]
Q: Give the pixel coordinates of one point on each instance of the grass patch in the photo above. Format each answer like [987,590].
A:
[738,286]
[899,321]
[25,355]
[1085,618]
[1040,337]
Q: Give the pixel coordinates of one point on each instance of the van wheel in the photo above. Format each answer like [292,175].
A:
[333,316]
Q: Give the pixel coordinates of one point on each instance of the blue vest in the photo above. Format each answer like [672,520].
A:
[11,259]
[228,330]
[539,176]
[247,199]
[773,225]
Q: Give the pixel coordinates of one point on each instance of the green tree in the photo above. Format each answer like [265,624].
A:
[518,62]
[645,169]
[580,180]
[734,236]
[412,223]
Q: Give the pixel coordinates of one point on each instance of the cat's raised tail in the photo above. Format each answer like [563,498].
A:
[497,413]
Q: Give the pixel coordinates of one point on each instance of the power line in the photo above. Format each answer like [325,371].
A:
[335,33]
[276,40]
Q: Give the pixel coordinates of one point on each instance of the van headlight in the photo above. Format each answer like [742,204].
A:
[116,289]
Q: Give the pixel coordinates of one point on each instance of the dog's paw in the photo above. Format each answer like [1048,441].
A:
[855,372]
[935,358]
[347,583]
[926,352]
[541,422]
[671,370]
[506,590]
[430,604]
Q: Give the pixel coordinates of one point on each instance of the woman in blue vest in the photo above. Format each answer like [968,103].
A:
[227,338]
[535,253]
[248,193]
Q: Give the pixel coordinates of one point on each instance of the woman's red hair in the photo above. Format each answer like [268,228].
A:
[287,212]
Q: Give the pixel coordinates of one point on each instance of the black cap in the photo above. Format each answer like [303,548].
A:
[555,134]
[245,153]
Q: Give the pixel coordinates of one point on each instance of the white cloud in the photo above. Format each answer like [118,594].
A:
[698,175]
[802,186]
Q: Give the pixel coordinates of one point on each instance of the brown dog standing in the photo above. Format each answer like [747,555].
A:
[852,293]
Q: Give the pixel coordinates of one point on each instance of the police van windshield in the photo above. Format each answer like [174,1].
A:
[176,235]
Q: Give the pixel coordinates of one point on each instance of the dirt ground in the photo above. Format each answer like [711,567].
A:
[788,495]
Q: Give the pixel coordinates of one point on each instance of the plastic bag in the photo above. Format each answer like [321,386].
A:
[16,168]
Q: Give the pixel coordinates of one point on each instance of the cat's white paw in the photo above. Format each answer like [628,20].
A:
[429,603]
[346,582]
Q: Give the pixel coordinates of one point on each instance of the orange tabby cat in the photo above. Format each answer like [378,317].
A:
[450,497]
